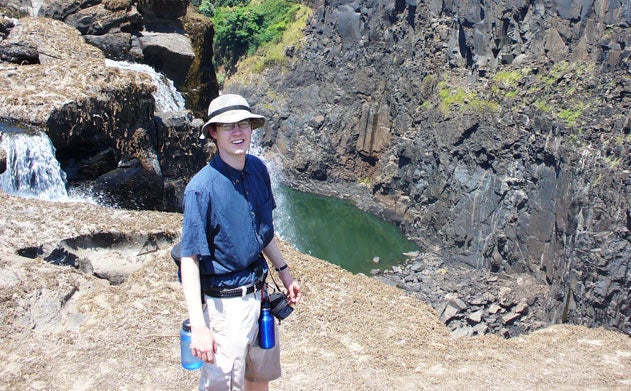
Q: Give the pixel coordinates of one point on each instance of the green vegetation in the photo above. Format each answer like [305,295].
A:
[569,111]
[560,81]
[508,78]
[467,101]
[366,182]
[273,52]
[623,139]
[570,115]
[542,105]
[564,92]
[511,94]
[244,26]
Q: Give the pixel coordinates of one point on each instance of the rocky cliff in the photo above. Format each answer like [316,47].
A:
[497,134]
[162,34]
[109,136]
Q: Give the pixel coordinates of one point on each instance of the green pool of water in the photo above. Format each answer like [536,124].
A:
[338,232]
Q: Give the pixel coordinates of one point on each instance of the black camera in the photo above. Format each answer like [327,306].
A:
[279,307]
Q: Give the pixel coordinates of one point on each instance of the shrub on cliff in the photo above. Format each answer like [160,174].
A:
[242,26]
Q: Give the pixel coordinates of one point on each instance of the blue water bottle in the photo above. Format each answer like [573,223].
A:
[189,361]
[267,339]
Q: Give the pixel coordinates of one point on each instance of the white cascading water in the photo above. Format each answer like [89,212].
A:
[32,169]
[283,225]
[36,7]
[166,96]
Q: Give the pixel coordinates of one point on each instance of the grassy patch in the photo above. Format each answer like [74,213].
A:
[560,81]
[508,78]
[366,182]
[466,101]
[273,53]
[571,115]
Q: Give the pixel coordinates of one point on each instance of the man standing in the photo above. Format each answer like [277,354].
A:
[227,225]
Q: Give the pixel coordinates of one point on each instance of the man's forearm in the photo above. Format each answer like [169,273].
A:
[192,290]
[272,253]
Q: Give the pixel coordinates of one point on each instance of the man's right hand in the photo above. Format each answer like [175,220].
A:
[203,343]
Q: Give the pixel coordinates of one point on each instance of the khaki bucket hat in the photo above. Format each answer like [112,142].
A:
[229,109]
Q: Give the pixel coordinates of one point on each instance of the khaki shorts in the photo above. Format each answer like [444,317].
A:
[234,323]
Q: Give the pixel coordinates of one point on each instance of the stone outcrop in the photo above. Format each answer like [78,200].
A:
[201,85]
[472,301]
[147,31]
[496,134]
[101,120]
[114,142]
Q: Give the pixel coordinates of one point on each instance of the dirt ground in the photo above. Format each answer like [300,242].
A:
[64,329]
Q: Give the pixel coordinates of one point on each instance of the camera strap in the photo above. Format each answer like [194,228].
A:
[275,284]
[271,275]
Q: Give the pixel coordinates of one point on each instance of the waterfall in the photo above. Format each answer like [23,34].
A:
[166,95]
[283,225]
[32,169]
[36,6]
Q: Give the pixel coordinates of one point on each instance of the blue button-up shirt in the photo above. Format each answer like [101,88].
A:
[228,221]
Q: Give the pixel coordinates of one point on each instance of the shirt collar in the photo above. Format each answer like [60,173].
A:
[228,171]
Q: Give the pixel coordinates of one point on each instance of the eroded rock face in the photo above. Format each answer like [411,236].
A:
[101,119]
[152,32]
[495,134]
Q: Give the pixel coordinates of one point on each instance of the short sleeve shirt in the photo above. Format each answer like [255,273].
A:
[228,221]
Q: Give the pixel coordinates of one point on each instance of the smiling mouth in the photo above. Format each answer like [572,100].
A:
[238,141]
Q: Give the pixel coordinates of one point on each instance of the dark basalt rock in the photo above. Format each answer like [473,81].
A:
[3,160]
[495,134]
[18,53]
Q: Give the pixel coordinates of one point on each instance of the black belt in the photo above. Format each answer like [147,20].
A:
[236,292]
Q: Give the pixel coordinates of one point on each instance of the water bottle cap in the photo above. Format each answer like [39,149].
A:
[186,325]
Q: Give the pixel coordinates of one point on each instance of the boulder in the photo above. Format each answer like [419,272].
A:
[201,82]
[19,53]
[168,53]
[131,186]
[163,9]
[6,24]
[116,46]
[98,20]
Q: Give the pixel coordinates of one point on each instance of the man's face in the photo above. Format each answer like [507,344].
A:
[232,139]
